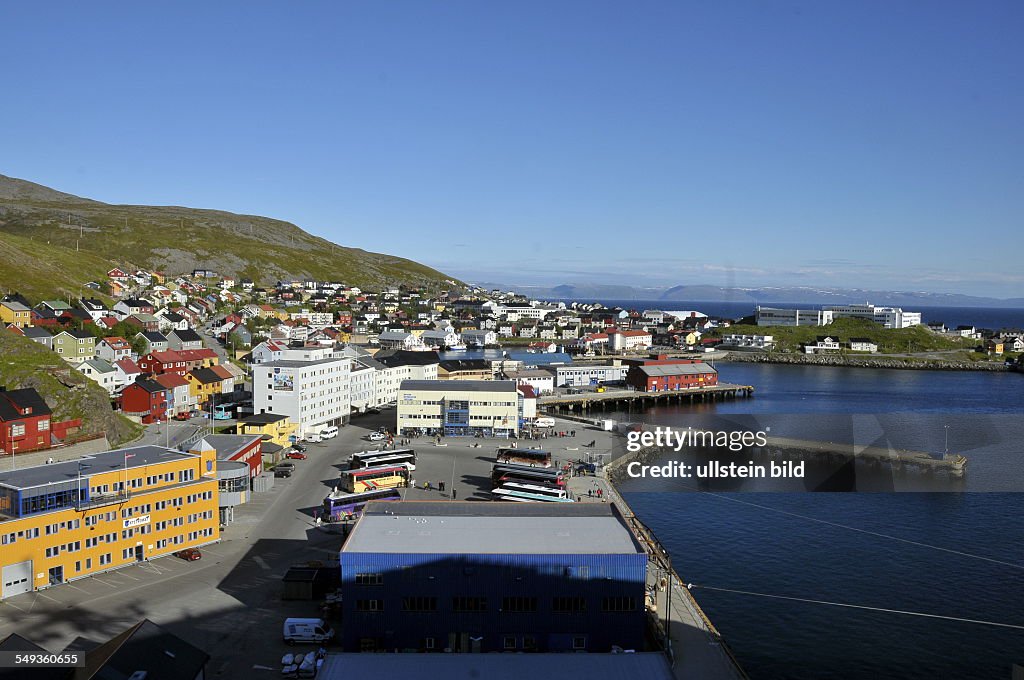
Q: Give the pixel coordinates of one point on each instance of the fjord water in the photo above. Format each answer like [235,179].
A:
[958,554]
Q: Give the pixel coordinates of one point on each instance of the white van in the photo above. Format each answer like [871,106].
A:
[307,630]
[313,437]
[544,422]
[329,432]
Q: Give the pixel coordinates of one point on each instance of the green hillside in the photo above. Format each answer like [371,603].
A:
[913,339]
[52,243]
[24,363]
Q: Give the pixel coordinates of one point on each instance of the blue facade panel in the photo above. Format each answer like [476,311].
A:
[492,602]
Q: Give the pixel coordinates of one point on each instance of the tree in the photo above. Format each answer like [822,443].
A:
[139,345]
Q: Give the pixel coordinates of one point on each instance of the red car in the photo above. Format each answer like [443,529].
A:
[183,416]
[295,455]
[189,554]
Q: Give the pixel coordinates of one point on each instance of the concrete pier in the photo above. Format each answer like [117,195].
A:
[615,399]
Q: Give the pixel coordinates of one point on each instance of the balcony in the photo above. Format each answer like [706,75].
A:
[101,501]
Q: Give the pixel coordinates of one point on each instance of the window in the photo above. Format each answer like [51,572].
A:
[568,605]
[519,604]
[469,604]
[428,643]
[419,604]
[529,643]
[369,579]
[508,642]
[618,604]
[369,605]
[579,642]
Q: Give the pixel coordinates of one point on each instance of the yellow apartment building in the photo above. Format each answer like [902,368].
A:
[63,521]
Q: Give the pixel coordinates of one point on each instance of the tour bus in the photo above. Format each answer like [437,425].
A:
[530,475]
[378,458]
[531,457]
[524,497]
[340,505]
[372,478]
[542,489]
[222,412]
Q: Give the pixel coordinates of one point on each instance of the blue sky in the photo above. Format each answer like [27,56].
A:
[861,144]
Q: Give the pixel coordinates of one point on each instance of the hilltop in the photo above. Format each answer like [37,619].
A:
[53,243]
[24,363]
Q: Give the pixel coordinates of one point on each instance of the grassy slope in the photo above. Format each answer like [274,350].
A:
[914,339]
[176,240]
[70,394]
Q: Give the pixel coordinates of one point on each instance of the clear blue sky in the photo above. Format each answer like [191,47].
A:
[869,144]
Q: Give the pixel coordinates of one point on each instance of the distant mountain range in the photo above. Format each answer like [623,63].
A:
[52,243]
[759,296]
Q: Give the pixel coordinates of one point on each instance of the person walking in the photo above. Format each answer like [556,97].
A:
[453,494]
[440,486]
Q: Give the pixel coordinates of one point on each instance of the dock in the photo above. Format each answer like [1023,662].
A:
[951,462]
[618,399]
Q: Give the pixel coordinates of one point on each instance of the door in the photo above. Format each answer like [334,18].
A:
[138,553]
[17,578]
[56,575]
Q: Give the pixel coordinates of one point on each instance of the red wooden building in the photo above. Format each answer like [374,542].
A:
[661,374]
[145,398]
[24,421]
[166,361]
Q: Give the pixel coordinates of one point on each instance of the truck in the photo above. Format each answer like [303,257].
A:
[544,422]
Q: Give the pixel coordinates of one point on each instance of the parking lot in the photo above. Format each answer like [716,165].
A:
[229,602]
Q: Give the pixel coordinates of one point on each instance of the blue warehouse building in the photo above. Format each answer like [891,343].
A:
[486,577]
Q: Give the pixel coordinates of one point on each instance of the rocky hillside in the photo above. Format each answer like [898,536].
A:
[70,394]
[53,242]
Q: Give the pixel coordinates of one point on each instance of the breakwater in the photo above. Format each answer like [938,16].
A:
[863,361]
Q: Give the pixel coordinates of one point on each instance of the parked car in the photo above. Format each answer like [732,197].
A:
[299,447]
[374,411]
[377,436]
[295,455]
[189,554]
[183,416]
[284,470]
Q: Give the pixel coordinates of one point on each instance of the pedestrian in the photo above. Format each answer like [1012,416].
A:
[453,494]
[440,486]
[590,493]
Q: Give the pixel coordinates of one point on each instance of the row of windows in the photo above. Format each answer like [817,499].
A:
[512,605]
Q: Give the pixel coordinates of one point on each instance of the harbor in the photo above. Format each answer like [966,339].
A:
[613,399]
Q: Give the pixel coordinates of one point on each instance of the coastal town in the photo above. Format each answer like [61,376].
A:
[240,391]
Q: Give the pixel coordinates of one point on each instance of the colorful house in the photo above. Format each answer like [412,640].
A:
[271,427]
[147,399]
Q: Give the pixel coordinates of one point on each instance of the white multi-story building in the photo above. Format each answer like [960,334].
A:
[278,350]
[542,381]
[480,337]
[362,384]
[399,366]
[313,394]
[889,317]
[629,340]
[773,316]
[459,407]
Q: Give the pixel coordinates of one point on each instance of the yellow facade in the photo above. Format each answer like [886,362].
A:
[127,506]
[280,432]
[202,391]
[22,318]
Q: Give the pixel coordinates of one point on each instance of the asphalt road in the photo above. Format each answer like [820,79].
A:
[229,603]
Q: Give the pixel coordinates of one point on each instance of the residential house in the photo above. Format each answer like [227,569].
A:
[169,321]
[167,361]
[184,339]
[440,338]
[125,308]
[100,371]
[24,421]
[145,322]
[204,384]
[824,344]
[95,308]
[16,314]
[113,349]
[179,392]
[74,346]
[863,345]
[36,334]
[145,399]
[126,372]
[995,346]
[155,341]
[399,340]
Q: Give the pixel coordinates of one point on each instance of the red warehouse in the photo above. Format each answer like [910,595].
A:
[663,377]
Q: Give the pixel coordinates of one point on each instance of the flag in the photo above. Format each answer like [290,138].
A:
[129,455]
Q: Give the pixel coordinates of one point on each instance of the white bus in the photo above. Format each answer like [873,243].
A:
[501,494]
[553,492]
[363,459]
